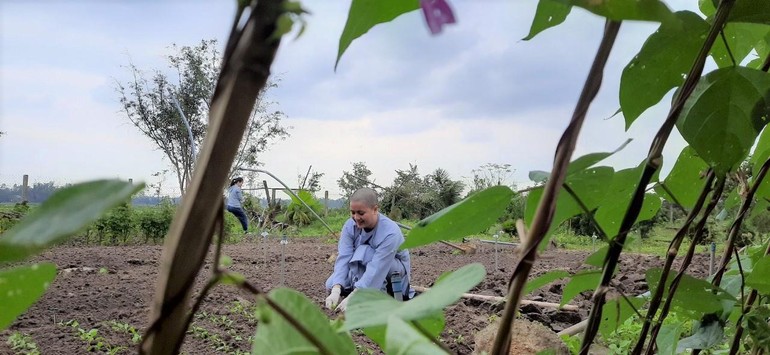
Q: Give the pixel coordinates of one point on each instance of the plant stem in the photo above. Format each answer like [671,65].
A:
[673,250]
[654,160]
[696,239]
[547,207]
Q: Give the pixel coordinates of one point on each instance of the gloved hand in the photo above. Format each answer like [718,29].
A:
[334,298]
[344,304]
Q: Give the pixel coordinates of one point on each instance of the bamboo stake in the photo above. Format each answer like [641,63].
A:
[497,299]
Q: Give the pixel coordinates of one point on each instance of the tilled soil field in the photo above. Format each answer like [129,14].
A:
[110,289]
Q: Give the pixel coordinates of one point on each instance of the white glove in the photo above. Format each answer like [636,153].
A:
[334,298]
[344,304]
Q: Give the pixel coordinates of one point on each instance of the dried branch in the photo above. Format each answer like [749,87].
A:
[673,250]
[653,162]
[547,206]
[696,239]
[244,73]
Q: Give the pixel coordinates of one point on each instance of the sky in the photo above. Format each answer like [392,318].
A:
[474,94]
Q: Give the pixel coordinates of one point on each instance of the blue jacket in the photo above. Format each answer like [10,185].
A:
[234,196]
[364,259]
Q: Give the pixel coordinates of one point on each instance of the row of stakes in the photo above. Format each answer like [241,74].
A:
[284,242]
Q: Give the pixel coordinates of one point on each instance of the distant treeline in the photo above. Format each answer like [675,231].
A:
[39,192]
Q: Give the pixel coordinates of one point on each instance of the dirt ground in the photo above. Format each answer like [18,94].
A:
[110,289]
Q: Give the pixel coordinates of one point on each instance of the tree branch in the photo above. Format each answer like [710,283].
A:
[547,207]
[654,160]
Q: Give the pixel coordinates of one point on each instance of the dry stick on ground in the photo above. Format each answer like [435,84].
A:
[249,54]
[673,250]
[547,206]
[696,239]
[653,162]
[498,299]
[734,229]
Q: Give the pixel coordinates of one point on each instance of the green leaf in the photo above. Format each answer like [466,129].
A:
[592,159]
[668,337]
[686,179]
[549,13]
[544,279]
[726,111]
[434,325]
[616,312]
[539,176]
[706,335]
[582,281]
[707,7]
[589,185]
[695,296]
[756,326]
[657,69]
[282,26]
[758,279]
[617,200]
[225,261]
[365,14]
[277,336]
[232,278]
[474,214]
[648,10]
[22,286]
[371,308]
[597,257]
[65,213]
[750,11]
[403,338]
[741,38]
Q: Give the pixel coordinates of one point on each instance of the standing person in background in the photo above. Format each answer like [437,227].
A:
[233,202]
[368,254]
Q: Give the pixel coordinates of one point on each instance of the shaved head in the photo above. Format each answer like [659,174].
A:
[365,195]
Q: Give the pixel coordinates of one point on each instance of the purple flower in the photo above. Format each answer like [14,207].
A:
[437,14]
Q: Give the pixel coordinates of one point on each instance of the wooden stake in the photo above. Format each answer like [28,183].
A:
[497,299]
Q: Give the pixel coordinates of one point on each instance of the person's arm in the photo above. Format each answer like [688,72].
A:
[345,251]
[377,269]
[239,194]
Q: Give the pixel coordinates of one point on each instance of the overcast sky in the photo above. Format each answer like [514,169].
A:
[475,94]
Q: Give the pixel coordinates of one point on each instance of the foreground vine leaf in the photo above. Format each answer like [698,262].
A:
[20,287]
[434,325]
[618,197]
[707,333]
[668,338]
[616,312]
[657,69]
[750,11]
[372,308]
[618,10]
[696,297]
[724,115]
[277,336]
[741,38]
[589,185]
[686,179]
[758,279]
[544,279]
[582,281]
[365,14]
[403,338]
[549,13]
[474,214]
[65,213]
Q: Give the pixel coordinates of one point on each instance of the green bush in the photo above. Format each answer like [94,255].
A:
[155,222]
[117,223]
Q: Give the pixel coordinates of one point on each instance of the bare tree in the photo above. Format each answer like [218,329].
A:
[151,106]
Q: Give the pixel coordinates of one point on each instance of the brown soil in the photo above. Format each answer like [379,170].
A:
[123,290]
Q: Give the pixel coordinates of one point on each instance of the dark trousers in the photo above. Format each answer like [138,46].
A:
[238,212]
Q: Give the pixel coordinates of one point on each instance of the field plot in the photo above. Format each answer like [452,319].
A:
[100,300]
